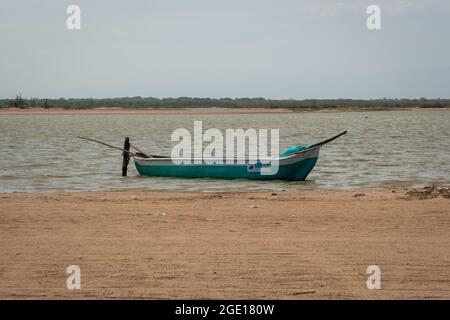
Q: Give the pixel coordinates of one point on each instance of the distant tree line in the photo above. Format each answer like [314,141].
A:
[186,102]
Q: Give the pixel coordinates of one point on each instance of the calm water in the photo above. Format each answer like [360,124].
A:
[382,149]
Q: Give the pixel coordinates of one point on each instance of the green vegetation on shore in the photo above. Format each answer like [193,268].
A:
[186,102]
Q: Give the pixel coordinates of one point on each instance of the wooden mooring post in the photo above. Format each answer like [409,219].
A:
[126,156]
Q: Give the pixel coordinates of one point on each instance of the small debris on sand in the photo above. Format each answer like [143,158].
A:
[159,214]
[303,292]
[429,192]
[273,194]
[356,195]
[253,206]
[214,196]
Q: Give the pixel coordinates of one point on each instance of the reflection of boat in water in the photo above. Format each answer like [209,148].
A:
[293,164]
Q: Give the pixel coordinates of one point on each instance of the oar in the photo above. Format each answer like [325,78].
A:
[108,145]
[141,152]
[321,143]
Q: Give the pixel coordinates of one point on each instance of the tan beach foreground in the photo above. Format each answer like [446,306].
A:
[254,245]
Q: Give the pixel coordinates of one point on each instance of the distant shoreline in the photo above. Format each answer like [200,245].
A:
[119,111]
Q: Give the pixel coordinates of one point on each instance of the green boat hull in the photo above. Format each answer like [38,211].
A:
[293,168]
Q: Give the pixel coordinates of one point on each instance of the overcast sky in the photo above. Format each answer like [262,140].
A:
[225,48]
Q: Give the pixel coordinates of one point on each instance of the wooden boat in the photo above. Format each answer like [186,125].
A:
[293,164]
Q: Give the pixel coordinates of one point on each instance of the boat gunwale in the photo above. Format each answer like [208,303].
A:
[293,155]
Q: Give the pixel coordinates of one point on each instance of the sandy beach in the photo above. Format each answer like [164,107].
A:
[172,111]
[252,245]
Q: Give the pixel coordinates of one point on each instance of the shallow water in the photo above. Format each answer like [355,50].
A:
[384,149]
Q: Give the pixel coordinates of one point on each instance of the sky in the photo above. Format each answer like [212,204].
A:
[276,49]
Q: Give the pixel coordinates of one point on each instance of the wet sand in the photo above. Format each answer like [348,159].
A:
[253,245]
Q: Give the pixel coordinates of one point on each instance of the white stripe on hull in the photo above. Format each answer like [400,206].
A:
[302,155]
